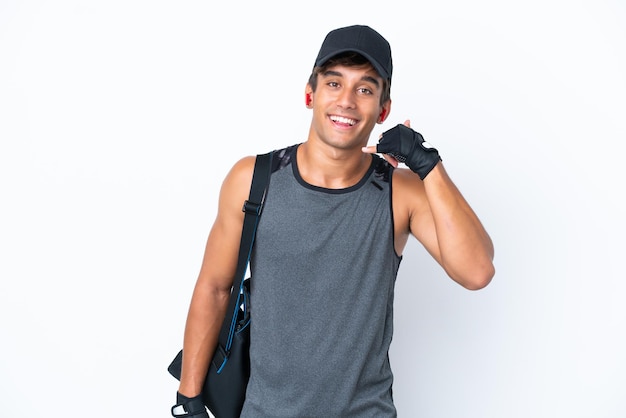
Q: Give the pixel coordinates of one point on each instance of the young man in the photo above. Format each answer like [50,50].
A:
[328,247]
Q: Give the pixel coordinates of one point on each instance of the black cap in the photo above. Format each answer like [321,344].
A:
[361,39]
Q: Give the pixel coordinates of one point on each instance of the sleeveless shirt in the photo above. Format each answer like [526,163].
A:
[323,271]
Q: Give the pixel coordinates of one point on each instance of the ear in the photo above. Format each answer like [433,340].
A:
[308,97]
[384,112]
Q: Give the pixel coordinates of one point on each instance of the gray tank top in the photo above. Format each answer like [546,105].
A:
[323,273]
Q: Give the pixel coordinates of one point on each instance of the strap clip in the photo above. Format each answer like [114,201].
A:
[252,208]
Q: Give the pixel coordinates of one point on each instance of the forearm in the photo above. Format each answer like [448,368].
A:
[466,250]
[204,320]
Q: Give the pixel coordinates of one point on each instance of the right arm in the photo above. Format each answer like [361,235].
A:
[212,290]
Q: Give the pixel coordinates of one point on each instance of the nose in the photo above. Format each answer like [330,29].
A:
[346,99]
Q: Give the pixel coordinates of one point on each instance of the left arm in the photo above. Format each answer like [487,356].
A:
[431,208]
[452,232]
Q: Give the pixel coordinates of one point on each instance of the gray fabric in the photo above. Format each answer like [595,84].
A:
[323,275]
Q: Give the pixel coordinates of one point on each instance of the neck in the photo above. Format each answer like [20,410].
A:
[329,167]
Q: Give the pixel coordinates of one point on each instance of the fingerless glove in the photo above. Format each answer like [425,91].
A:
[410,148]
[189,407]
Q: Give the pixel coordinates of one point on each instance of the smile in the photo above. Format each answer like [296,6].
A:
[341,119]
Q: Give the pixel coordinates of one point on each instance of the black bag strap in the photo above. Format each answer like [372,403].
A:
[252,208]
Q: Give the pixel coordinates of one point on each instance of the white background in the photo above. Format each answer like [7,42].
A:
[119,120]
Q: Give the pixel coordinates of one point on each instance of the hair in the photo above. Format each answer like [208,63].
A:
[349,59]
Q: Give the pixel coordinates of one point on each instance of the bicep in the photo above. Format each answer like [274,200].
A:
[222,246]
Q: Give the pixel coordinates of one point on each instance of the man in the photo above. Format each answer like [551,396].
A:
[328,247]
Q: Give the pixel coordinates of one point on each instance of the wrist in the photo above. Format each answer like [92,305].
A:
[189,387]
[433,172]
[189,407]
[425,168]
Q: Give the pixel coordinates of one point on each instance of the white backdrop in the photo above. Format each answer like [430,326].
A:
[119,120]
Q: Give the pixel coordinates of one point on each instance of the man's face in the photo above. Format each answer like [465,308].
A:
[346,105]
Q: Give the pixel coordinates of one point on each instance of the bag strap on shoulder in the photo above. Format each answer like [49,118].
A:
[252,208]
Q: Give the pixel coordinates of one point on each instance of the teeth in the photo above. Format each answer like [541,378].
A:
[341,119]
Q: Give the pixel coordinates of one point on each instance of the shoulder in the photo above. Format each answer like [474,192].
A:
[240,174]
[236,184]
[241,171]
[409,195]
[404,178]
[281,158]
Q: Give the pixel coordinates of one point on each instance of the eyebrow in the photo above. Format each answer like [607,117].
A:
[330,73]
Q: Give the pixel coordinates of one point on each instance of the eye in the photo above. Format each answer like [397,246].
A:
[333,84]
[364,90]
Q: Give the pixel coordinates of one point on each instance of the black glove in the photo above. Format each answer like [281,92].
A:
[409,147]
[189,407]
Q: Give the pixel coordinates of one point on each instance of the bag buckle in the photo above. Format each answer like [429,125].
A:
[251,208]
